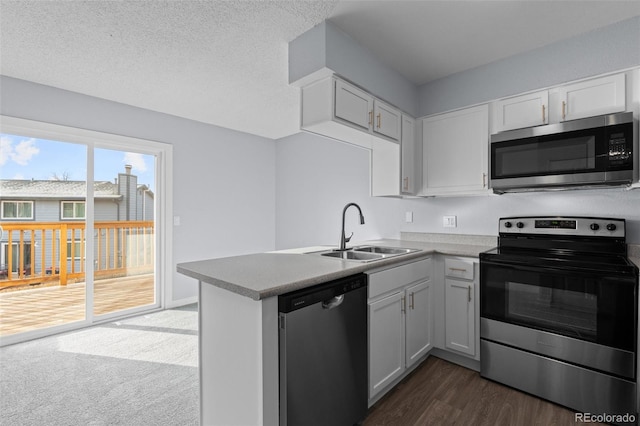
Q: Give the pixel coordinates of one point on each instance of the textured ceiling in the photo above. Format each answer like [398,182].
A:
[225,62]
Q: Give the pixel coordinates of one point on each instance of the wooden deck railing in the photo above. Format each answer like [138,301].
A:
[37,252]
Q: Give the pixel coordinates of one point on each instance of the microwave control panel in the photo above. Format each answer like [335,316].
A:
[619,151]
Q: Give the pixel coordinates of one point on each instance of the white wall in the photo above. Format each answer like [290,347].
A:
[317,176]
[224,181]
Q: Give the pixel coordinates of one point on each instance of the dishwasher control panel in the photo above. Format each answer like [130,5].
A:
[319,293]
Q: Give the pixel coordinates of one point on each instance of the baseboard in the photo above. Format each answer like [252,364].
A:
[181,302]
[461,360]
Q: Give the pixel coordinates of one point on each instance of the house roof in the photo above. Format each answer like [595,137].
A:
[55,189]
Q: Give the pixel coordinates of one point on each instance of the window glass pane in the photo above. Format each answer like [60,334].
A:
[67,210]
[79,210]
[8,210]
[26,210]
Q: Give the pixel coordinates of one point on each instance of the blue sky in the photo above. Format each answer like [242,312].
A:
[40,159]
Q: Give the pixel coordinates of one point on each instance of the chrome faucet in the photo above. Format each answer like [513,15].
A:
[343,238]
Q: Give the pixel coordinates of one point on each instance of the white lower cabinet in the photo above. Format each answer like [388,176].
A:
[399,322]
[460,306]
[418,321]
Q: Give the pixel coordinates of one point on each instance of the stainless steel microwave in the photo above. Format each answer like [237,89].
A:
[589,152]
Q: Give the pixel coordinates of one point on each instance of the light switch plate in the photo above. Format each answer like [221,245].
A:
[408,217]
[449,221]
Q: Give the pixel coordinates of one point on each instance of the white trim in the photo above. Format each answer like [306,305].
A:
[62,217]
[33,213]
[163,198]
[182,302]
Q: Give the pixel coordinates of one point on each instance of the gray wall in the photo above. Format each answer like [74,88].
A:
[610,48]
[224,181]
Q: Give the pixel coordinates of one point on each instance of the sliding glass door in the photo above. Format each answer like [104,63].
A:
[124,231]
[79,234]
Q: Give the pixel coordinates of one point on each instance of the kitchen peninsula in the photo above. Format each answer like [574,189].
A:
[238,312]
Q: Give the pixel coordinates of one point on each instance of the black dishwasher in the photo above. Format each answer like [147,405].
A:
[323,354]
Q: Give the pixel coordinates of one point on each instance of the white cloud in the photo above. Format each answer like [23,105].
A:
[136,161]
[24,151]
[6,149]
[20,154]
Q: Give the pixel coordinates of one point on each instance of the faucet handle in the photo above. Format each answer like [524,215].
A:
[347,239]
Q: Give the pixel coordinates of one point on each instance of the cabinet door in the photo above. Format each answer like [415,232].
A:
[387,120]
[408,155]
[594,97]
[419,323]
[522,111]
[460,316]
[386,341]
[385,168]
[353,105]
[455,151]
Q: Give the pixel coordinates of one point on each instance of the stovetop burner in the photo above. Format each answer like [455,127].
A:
[587,244]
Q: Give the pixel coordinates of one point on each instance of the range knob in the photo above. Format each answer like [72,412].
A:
[611,227]
[520,225]
[508,225]
[594,226]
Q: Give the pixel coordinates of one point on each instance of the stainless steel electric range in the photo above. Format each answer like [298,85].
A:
[559,312]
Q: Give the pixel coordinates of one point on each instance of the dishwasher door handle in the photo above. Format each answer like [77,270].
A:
[333,302]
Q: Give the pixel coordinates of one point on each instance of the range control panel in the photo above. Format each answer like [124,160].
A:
[583,226]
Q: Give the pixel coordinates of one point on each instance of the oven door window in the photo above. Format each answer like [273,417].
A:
[588,307]
[573,152]
[572,312]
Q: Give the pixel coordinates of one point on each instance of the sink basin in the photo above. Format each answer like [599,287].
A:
[366,253]
[353,255]
[384,250]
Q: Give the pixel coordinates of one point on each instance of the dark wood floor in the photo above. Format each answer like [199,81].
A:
[442,393]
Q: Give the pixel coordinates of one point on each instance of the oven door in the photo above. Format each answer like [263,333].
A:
[560,313]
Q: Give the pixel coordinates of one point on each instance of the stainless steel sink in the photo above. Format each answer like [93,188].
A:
[366,253]
[353,255]
[384,250]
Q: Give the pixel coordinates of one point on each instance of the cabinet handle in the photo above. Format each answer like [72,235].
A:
[371,118]
[379,120]
[564,109]
[458,269]
[411,305]
[543,113]
[469,293]
[404,302]
[406,183]
[484,180]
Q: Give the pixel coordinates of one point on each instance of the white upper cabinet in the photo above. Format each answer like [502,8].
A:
[522,111]
[387,120]
[408,156]
[335,108]
[593,97]
[353,105]
[454,151]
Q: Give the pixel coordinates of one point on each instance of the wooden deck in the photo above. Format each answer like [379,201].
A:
[30,309]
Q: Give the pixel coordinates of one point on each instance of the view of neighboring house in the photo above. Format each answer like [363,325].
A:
[35,213]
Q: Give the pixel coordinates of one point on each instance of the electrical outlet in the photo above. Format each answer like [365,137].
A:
[449,221]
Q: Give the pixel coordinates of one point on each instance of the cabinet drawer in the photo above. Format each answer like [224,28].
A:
[458,268]
[394,278]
